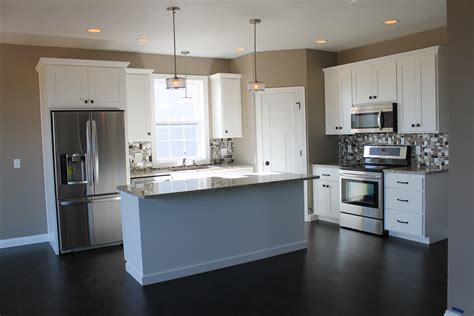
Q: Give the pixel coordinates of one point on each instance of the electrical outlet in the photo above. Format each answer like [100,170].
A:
[16,163]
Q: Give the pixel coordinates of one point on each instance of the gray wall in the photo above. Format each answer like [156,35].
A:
[22,206]
[461,172]
[438,36]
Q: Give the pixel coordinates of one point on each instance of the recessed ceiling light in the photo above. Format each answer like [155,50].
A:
[143,40]
[390,22]
[94,30]
[241,49]
[321,41]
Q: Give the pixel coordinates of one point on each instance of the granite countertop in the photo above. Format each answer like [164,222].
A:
[134,174]
[416,170]
[154,189]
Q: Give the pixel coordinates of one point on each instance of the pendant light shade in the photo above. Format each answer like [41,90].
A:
[175,82]
[255,86]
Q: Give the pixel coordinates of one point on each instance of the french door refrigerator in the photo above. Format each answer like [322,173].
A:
[90,162]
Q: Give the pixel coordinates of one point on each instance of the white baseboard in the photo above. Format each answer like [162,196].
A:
[212,265]
[22,241]
[423,240]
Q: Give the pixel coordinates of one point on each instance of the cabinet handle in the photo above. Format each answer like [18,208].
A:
[149,133]
[326,175]
[340,127]
[267,163]
[85,101]
[336,127]
[370,97]
[401,222]
[226,131]
[412,125]
[401,182]
[418,125]
[375,97]
[92,101]
[400,200]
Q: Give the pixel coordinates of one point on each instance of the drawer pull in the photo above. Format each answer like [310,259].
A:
[401,182]
[401,222]
[326,175]
[400,200]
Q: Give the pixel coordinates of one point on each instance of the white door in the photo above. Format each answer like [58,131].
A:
[231,108]
[363,85]
[407,99]
[139,118]
[105,86]
[385,82]
[68,86]
[426,116]
[283,133]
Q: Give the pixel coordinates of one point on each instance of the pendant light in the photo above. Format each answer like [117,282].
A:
[186,98]
[255,86]
[175,82]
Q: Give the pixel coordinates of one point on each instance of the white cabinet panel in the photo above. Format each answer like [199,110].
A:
[334,199]
[105,86]
[326,193]
[363,85]
[327,173]
[320,196]
[68,86]
[404,200]
[404,181]
[338,91]
[417,94]
[385,82]
[404,222]
[226,105]
[139,107]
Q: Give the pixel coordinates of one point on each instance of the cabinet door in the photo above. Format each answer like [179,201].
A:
[334,199]
[231,108]
[407,95]
[333,91]
[346,101]
[68,86]
[320,198]
[105,87]
[139,107]
[417,94]
[362,85]
[385,82]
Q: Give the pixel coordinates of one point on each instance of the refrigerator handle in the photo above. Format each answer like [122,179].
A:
[89,154]
[95,149]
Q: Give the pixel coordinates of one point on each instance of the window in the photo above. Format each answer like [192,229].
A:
[181,125]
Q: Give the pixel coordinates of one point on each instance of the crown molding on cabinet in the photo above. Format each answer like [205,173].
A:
[80,62]
[139,71]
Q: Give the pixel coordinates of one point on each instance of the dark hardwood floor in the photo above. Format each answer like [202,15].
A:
[343,272]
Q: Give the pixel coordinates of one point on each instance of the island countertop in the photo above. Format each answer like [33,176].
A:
[154,189]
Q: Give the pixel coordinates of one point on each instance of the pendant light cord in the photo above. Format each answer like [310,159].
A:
[174,43]
[255,49]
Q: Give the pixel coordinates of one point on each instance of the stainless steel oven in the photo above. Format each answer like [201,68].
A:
[376,118]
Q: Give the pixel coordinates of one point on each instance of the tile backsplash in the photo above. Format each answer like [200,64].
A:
[427,150]
[140,153]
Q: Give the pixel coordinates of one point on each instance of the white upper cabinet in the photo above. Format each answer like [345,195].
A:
[226,105]
[139,105]
[374,83]
[78,84]
[106,87]
[338,101]
[417,94]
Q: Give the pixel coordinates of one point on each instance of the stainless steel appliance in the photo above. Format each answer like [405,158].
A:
[362,205]
[376,118]
[89,159]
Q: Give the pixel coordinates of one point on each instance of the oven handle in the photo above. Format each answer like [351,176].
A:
[359,176]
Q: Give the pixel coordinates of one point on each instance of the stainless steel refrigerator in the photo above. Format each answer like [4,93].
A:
[90,162]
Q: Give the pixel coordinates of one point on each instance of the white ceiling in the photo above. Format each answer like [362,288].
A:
[214,28]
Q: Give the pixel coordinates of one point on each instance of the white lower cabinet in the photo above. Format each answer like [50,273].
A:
[416,206]
[326,193]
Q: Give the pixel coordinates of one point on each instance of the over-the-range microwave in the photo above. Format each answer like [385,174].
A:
[374,118]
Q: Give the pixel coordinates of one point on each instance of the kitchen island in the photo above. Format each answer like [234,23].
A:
[177,228]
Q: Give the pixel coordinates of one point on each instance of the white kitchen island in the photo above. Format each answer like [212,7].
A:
[177,228]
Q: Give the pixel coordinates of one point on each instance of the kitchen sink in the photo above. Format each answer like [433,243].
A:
[183,168]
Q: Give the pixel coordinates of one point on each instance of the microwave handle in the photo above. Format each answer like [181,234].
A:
[380,121]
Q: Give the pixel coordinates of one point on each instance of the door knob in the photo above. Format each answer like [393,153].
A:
[267,163]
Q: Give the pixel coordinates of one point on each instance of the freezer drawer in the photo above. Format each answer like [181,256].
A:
[89,222]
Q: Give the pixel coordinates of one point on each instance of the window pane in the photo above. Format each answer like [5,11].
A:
[176,132]
[162,150]
[177,149]
[162,133]
[191,148]
[190,131]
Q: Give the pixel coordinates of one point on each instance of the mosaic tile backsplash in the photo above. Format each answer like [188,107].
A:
[427,150]
[140,153]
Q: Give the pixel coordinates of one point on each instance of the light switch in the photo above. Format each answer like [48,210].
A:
[16,163]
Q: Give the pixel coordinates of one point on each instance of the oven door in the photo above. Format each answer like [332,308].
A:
[361,193]
[374,119]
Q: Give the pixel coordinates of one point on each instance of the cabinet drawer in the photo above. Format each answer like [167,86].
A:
[404,200]
[403,181]
[404,222]
[327,173]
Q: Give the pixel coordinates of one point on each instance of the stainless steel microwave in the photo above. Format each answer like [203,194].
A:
[375,118]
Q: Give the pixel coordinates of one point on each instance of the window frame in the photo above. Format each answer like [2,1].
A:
[205,122]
